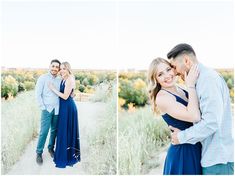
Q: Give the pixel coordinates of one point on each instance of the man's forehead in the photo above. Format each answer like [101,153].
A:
[55,64]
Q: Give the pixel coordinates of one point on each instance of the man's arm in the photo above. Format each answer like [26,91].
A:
[39,90]
[211,106]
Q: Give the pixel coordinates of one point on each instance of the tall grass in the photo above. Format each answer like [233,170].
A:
[141,135]
[102,144]
[20,118]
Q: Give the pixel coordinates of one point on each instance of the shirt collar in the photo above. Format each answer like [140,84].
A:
[50,75]
[201,67]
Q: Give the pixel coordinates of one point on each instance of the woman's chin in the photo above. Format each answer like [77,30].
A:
[169,85]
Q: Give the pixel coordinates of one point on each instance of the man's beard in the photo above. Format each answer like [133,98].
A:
[54,73]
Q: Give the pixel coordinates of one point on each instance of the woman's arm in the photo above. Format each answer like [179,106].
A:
[67,90]
[169,105]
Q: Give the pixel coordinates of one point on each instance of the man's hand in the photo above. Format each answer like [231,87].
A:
[73,94]
[174,138]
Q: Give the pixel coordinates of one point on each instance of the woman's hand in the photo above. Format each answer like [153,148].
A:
[191,78]
[51,86]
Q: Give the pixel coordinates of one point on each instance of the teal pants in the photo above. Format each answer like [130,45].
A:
[219,169]
[48,120]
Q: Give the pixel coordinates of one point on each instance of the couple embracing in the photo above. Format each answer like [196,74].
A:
[54,93]
[200,117]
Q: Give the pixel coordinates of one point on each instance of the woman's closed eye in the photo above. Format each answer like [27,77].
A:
[168,69]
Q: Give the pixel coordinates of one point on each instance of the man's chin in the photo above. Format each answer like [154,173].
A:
[54,73]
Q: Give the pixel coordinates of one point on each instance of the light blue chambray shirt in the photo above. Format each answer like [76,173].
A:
[47,99]
[215,129]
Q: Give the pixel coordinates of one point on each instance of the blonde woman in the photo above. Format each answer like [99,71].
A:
[179,108]
[67,151]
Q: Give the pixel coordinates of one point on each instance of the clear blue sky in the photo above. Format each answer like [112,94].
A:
[114,34]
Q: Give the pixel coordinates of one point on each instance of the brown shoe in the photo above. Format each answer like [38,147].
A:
[39,159]
[51,151]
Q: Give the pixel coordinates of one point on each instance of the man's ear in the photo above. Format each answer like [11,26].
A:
[187,61]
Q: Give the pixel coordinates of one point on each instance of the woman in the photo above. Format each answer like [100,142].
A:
[179,109]
[67,150]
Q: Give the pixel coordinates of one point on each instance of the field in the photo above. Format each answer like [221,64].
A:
[141,138]
[21,117]
[142,135]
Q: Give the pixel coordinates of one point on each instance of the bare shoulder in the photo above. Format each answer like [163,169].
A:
[71,81]
[163,99]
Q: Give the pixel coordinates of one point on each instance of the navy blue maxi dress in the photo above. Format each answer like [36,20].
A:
[182,159]
[67,151]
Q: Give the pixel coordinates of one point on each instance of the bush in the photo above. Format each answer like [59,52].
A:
[85,82]
[89,89]
[77,82]
[229,79]
[80,76]
[24,79]
[21,87]
[230,83]
[133,91]
[81,88]
[92,79]
[9,87]
[29,85]
[102,92]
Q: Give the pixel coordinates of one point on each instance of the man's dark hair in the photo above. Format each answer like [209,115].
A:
[179,49]
[55,60]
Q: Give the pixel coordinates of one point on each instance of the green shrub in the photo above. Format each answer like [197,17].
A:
[9,87]
[230,83]
[229,79]
[133,91]
[81,88]
[80,76]
[77,82]
[21,87]
[85,82]
[92,79]
[29,85]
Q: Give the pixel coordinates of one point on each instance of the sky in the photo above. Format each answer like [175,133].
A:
[114,34]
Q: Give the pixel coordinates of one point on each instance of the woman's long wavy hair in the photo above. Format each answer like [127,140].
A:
[67,66]
[153,86]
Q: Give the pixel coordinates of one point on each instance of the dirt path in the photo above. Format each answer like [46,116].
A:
[87,114]
[161,159]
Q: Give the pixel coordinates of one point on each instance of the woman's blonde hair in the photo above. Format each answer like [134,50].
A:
[153,86]
[67,66]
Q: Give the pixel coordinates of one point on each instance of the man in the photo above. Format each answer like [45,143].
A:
[214,130]
[49,104]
